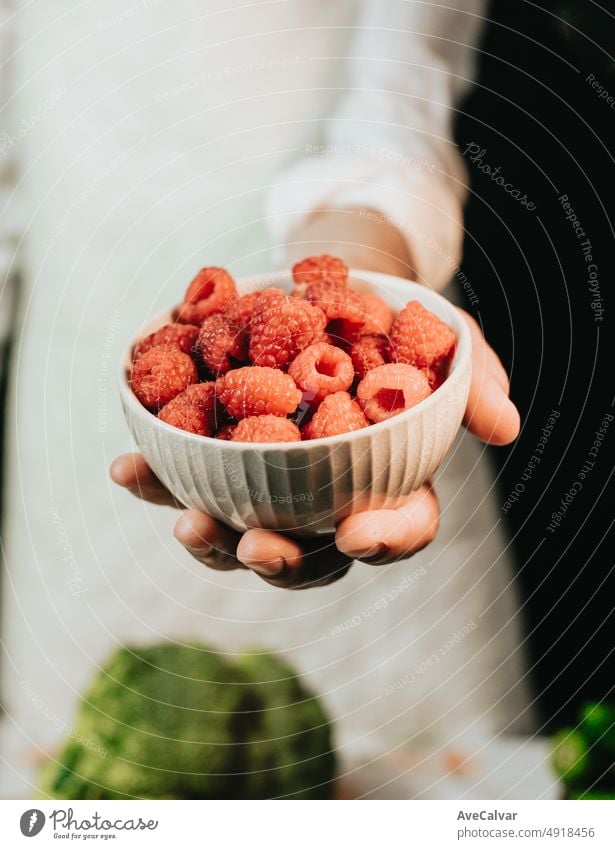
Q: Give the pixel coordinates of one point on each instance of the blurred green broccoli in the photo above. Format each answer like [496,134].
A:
[584,757]
[181,722]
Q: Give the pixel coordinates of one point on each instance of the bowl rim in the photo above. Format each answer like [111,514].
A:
[462,356]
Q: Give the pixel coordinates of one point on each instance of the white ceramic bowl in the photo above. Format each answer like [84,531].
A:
[307,488]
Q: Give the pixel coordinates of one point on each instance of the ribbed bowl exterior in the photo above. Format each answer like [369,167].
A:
[308,487]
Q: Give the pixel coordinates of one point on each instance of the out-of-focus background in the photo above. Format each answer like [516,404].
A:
[543,110]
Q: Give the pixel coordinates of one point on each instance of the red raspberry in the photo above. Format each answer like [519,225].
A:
[182,336]
[379,315]
[193,410]
[367,353]
[160,374]
[390,389]
[256,390]
[327,269]
[240,310]
[282,327]
[419,338]
[220,339]
[266,428]
[338,413]
[208,293]
[342,307]
[226,432]
[320,370]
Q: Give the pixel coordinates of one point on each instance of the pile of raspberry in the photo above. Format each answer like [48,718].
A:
[271,367]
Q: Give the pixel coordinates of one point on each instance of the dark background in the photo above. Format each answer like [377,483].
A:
[538,118]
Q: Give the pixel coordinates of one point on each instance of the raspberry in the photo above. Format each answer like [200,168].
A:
[367,353]
[327,269]
[208,293]
[160,374]
[220,339]
[240,310]
[378,315]
[256,390]
[282,327]
[338,413]
[419,338]
[390,389]
[182,336]
[343,308]
[321,369]
[193,410]
[266,428]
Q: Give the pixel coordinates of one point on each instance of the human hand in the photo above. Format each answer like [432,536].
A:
[375,536]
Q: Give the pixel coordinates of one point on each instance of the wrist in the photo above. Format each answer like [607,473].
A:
[363,238]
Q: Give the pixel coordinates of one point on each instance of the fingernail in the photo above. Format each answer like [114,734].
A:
[267,568]
[379,550]
[199,550]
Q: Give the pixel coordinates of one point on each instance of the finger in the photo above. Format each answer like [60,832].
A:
[208,541]
[490,414]
[383,536]
[131,472]
[289,563]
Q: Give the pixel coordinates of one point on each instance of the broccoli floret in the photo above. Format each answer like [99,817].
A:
[172,721]
[570,755]
[584,757]
[292,755]
[598,722]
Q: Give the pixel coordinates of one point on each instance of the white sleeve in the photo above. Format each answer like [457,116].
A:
[389,146]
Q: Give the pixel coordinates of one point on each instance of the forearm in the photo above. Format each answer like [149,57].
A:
[363,238]
[389,147]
